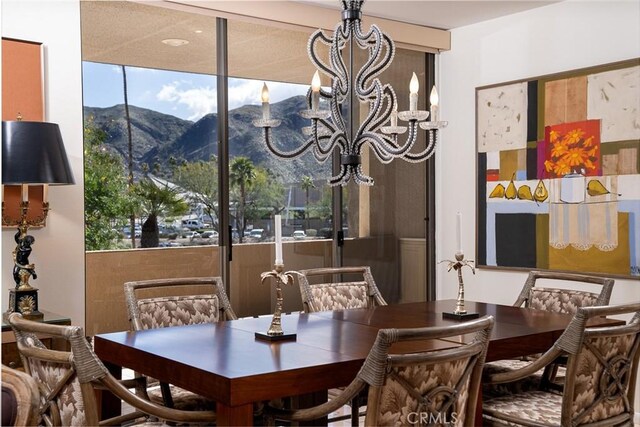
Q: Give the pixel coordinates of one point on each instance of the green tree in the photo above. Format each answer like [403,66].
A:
[265,197]
[156,200]
[307,184]
[105,191]
[200,179]
[242,174]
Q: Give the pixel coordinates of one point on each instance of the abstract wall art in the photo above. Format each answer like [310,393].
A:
[558,164]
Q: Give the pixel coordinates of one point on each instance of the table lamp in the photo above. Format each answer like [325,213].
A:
[32,154]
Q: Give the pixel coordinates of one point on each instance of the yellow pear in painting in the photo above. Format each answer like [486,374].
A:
[524,193]
[511,192]
[595,188]
[497,192]
[541,193]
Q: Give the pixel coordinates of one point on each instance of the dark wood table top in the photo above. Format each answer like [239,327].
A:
[226,363]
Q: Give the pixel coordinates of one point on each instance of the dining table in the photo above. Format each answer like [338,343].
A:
[225,362]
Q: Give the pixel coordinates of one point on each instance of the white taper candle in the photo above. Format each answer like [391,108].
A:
[458,233]
[278,226]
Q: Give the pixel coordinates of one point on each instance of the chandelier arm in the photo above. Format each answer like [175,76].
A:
[319,35]
[361,178]
[427,152]
[285,154]
[374,110]
[379,58]
[383,156]
[341,178]
[376,141]
[383,116]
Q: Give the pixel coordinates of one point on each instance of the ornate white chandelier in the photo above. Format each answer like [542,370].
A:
[330,129]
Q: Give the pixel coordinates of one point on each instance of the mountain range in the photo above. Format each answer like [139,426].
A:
[159,137]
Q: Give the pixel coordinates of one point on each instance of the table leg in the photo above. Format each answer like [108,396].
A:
[109,405]
[234,415]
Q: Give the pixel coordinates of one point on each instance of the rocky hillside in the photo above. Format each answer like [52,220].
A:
[159,137]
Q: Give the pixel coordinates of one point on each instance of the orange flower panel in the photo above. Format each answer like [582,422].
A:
[573,148]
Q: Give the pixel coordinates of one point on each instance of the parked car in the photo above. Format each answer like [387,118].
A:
[257,233]
[209,234]
[298,235]
[192,224]
[192,235]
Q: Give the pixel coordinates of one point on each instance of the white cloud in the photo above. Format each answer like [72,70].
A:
[199,101]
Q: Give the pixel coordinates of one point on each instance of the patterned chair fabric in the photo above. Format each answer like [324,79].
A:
[430,388]
[554,300]
[340,295]
[66,380]
[166,307]
[600,379]
[176,311]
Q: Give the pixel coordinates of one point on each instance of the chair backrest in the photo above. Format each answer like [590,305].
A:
[338,295]
[66,380]
[602,367]
[20,398]
[160,303]
[559,300]
[428,388]
[67,398]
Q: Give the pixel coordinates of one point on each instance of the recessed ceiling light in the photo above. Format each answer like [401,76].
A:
[175,42]
[198,31]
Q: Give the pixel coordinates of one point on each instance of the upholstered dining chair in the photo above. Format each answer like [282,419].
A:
[327,296]
[433,387]
[161,303]
[602,366]
[68,380]
[319,295]
[20,398]
[553,299]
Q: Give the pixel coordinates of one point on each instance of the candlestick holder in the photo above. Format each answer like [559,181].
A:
[460,313]
[275,332]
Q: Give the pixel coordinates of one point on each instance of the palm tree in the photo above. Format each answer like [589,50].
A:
[132,218]
[156,201]
[242,174]
[307,184]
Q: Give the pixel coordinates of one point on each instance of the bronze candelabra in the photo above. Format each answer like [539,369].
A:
[460,312]
[275,332]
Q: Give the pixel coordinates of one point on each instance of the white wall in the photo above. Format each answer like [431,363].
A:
[58,252]
[550,39]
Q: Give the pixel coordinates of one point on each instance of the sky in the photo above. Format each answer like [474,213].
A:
[188,96]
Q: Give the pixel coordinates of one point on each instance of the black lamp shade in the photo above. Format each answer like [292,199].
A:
[33,153]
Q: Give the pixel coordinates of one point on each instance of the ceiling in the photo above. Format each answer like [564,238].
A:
[439,14]
[129,33]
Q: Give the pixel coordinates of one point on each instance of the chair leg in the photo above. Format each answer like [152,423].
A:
[166,395]
[355,412]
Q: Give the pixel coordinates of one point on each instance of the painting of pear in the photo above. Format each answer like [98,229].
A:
[497,192]
[524,193]
[511,192]
[540,194]
[595,188]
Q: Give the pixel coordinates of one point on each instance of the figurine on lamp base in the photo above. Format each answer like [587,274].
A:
[460,313]
[24,298]
[275,332]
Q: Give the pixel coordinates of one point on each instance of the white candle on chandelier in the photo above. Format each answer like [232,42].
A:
[265,102]
[315,91]
[394,116]
[434,99]
[458,233]
[278,227]
[25,193]
[414,86]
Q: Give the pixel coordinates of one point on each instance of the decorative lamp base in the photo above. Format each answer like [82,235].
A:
[460,316]
[24,302]
[266,337]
